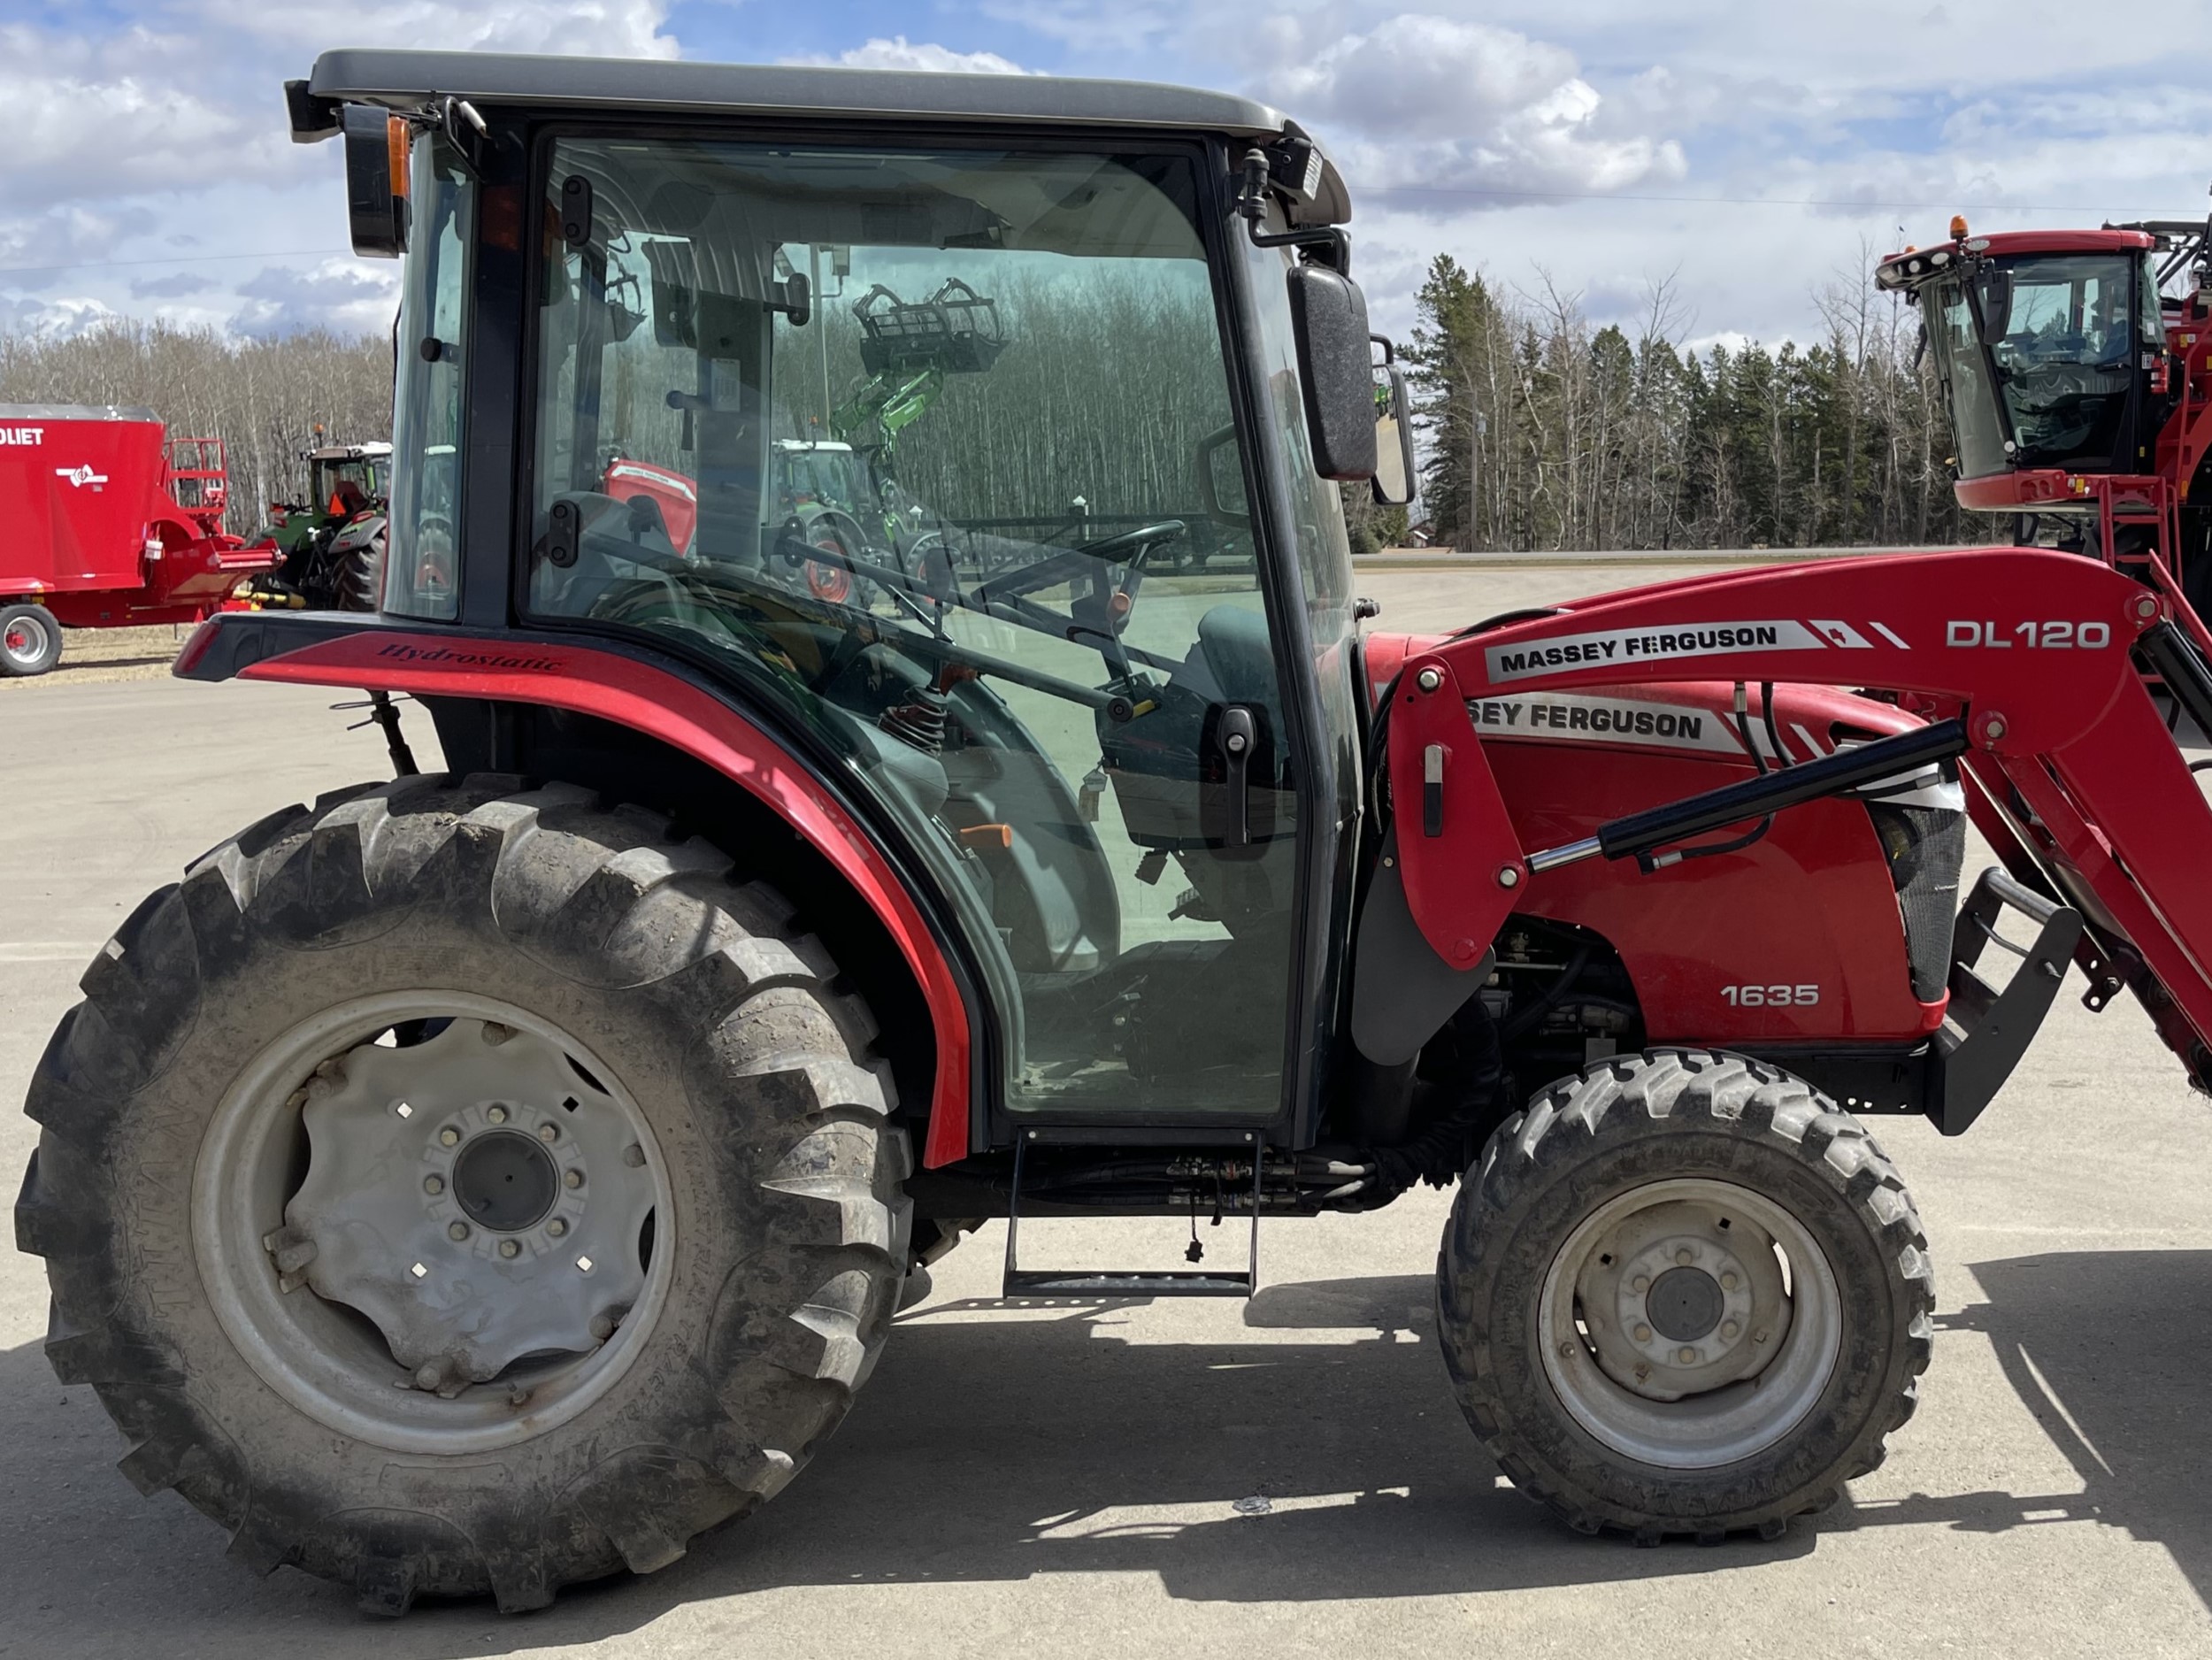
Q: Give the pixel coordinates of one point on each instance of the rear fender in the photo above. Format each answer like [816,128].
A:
[321,649]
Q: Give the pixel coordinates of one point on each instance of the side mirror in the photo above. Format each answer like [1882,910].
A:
[376,181]
[1395,475]
[798,300]
[1328,316]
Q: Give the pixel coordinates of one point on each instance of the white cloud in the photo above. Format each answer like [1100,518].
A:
[1423,99]
[613,29]
[90,119]
[168,135]
[51,319]
[341,295]
[899,53]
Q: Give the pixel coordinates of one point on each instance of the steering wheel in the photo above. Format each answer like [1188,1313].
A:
[1063,566]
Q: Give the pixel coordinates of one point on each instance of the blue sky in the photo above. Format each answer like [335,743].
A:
[1749,155]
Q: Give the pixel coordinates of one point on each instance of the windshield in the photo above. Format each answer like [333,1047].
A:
[911,444]
[2065,335]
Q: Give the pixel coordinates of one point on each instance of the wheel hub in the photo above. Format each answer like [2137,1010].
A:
[505,1181]
[475,1196]
[1686,1304]
[1695,1298]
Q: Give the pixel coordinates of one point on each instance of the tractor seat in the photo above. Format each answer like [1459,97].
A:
[1234,660]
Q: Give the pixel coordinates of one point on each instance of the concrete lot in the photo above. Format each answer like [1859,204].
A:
[1061,1480]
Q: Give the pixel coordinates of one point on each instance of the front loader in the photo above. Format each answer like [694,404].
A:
[487,1181]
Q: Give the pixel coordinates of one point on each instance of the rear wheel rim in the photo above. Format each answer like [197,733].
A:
[1690,1324]
[393,1361]
[23,642]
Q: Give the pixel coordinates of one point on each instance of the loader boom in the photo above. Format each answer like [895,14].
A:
[2074,776]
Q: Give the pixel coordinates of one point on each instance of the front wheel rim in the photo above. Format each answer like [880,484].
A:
[281,1250]
[1677,1374]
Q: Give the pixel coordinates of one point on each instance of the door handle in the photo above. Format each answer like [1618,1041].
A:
[1237,735]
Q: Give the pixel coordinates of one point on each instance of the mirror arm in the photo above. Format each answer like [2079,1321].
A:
[1252,208]
[466,130]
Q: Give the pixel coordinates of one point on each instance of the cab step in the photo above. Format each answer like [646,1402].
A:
[1108,1282]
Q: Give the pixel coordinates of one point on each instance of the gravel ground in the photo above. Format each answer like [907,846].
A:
[1065,1478]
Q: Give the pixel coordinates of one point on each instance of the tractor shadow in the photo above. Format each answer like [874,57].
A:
[2111,1352]
[1043,1442]
[1002,1441]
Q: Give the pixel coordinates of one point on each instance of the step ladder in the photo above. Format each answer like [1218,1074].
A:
[1083,1282]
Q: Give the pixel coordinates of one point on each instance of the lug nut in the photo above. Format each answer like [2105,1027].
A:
[1641,1282]
[434,1185]
[572,1179]
[510,1249]
[1688,1356]
[496,1115]
[457,1231]
[1684,1257]
[634,1156]
[1729,1328]
[556,1227]
[549,1131]
[1728,1282]
[449,1137]
[1643,1334]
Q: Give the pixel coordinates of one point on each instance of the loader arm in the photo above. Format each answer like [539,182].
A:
[2040,655]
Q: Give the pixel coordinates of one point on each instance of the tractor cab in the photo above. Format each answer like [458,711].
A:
[2067,360]
[347,477]
[896,432]
[2052,347]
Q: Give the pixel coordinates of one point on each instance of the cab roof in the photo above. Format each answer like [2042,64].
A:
[410,79]
[1916,265]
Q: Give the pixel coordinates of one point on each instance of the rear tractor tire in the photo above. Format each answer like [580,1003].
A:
[1683,1295]
[458,1188]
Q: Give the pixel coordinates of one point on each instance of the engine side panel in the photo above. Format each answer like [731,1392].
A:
[1797,938]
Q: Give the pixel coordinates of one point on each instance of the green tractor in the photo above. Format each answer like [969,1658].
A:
[334,543]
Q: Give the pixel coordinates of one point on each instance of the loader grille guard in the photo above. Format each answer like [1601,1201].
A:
[2073,775]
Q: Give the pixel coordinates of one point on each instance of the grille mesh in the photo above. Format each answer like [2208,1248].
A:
[1926,847]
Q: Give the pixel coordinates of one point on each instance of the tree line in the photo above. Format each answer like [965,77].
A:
[265,398]
[1546,432]
[1539,429]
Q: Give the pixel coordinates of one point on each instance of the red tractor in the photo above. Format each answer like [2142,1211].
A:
[2077,367]
[107,523]
[487,1181]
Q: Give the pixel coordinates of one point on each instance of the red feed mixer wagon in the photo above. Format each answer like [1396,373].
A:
[107,522]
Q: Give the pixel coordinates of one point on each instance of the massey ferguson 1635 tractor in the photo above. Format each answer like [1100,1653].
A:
[488,1180]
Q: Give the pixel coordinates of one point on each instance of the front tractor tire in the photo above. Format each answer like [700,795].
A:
[460,1187]
[1683,1295]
